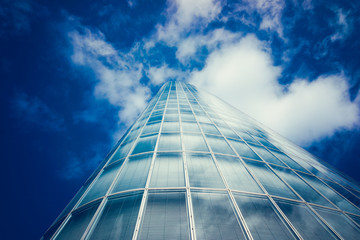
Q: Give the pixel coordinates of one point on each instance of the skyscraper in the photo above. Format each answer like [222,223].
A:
[193,167]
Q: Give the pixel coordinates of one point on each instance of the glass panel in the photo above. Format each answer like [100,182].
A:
[50,232]
[236,175]
[190,127]
[347,194]
[118,218]
[102,184]
[151,128]
[187,117]
[170,127]
[171,117]
[262,218]
[304,220]
[269,180]
[214,217]
[169,141]
[78,222]
[355,218]
[330,194]
[341,224]
[168,171]
[122,151]
[266,155]
[155,118]
[203,172]
[291,163]
[305,191]
[219,145]
[134,173]
[165,217]
[243,150]
[145,144]
[209,128]
[227,132]
[194,142]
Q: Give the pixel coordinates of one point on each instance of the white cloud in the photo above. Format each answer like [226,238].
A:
[158,75]
[342,26]
[184,15]
[270,11]
[243,74]
[189,46]
[118,74]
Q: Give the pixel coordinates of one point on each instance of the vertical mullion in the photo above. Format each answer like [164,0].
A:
[146,191]
[102,204]
[237,210]
[188,193]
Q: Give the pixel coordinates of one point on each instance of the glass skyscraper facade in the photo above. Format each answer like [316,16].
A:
[193,167]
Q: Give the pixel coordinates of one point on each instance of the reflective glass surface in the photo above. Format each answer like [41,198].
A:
[165,217]
[191,165]
[134,173]
[168,171]
[305,221]
[215,217]
[118,218]
[262,218]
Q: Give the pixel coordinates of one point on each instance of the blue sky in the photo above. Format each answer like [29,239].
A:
[75,74]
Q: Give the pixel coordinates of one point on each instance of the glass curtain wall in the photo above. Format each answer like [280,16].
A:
[194,167]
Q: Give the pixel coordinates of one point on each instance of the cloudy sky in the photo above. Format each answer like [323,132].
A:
[75,74]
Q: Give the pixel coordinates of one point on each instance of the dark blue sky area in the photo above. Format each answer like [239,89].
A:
[75,74]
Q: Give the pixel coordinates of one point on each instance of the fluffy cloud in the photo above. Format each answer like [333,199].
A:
[189,46]
[182,14]
[270,12]
[158,75]
[118,74]
[342,26]
[243,74]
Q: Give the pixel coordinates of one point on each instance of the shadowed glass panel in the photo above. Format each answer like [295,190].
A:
[118,218]
[219,145]
[243,150]
[165,217]
[134,173]
[266,155]
[291,163]
[78,222]
[341,224]
[214,217]
[236,175]
[262,218]
[346,193]
[194,142]
[169,142]
[145,144]
[330,194]
[168,171]
[50,232]
[269,180]
[202,171]
[302,188]
[102,184]
[305,221]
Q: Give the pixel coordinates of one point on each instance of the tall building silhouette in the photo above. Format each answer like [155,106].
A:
[193,167]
